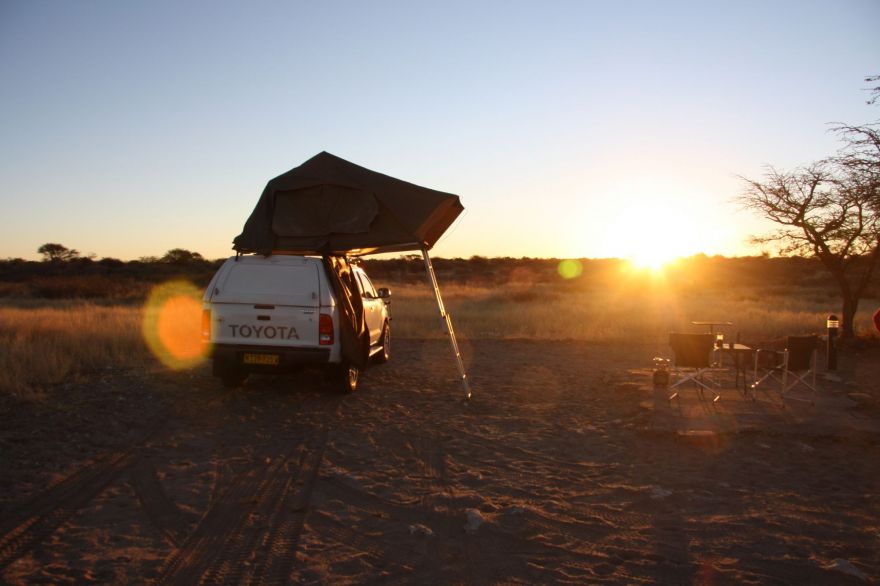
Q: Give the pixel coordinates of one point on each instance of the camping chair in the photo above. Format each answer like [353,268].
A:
[693,358]
[798,361]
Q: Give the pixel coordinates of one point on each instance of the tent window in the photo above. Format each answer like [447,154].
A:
[323,209]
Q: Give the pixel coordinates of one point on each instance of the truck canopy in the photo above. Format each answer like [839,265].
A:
[330,206]
[282,280]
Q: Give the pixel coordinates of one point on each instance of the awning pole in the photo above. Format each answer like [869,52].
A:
[447,320]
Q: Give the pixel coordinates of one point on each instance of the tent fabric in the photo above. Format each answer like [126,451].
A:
[331,206]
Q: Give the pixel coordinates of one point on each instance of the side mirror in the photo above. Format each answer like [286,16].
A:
[385,293]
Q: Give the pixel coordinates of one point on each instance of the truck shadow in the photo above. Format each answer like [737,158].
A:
[305,385]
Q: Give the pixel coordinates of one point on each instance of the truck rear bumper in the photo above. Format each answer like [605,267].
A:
[267,358]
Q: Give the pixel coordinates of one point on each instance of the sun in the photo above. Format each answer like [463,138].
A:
[651,259]
[652,237]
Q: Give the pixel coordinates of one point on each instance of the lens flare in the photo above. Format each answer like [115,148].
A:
[172,324]
[570,268]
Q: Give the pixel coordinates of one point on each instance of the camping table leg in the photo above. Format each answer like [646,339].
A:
[739,362]
[737,365]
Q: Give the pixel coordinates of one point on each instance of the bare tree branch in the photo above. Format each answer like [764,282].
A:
[828,210]
[875,91]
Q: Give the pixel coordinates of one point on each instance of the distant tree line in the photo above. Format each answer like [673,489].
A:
[54,252]
[63,273]
[123,281]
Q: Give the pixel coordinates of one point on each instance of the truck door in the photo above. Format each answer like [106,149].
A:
[372,306]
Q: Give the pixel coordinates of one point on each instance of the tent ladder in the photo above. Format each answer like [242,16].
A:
[447,321]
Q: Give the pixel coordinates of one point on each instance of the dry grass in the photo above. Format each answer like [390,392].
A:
[647,312]
[45,345]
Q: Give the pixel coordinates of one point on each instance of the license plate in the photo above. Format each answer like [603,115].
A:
[270,359]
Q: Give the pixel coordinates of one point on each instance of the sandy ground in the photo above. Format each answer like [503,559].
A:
[567,466]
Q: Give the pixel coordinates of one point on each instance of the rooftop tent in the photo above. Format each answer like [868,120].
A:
[334,208]
[328,205]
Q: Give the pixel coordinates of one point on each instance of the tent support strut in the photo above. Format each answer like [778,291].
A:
[446,320]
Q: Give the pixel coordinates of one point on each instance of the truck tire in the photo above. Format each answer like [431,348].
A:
[384,355]
[345,377]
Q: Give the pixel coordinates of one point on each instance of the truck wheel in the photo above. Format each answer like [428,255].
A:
[384,355]
[346,377]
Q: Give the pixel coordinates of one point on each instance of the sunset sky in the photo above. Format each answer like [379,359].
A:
[569,129]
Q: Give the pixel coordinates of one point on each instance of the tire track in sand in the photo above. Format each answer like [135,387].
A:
[166,516]
[38,519]
[251,532]
[279,546]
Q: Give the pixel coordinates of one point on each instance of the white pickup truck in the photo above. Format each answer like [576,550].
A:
[280,313]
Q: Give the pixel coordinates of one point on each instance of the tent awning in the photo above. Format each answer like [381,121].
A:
[329,205]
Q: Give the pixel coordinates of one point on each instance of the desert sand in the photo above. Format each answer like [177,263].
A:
[567,466]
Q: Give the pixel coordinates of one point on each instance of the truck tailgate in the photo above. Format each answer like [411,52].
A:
[264,325]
